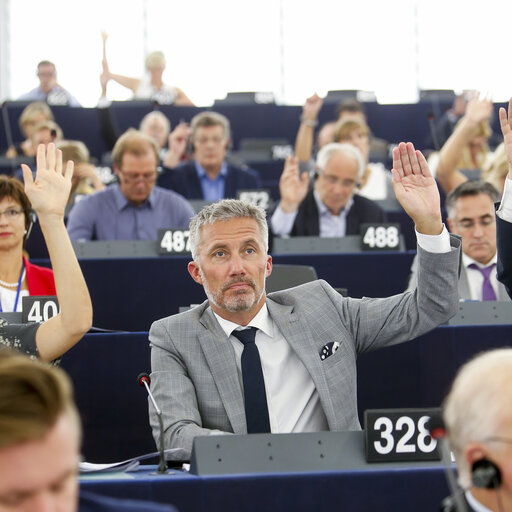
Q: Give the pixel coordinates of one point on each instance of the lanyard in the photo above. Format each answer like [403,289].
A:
[18,290]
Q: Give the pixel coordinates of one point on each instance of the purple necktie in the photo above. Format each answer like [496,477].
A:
[487,289]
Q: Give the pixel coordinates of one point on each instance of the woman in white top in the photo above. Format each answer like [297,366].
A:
[151,86]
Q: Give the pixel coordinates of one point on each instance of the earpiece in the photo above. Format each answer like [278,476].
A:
[485,474]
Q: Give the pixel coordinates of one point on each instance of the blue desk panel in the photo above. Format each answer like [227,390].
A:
[419,488]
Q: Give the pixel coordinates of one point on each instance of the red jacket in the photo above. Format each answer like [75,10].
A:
[39,279]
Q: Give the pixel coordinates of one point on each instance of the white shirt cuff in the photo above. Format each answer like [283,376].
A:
[505,209]
[434,243]
[281,222]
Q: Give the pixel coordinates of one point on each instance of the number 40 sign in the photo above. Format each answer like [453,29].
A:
[39,308]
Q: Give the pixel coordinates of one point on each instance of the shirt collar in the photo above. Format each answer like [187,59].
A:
[323,210]
[202,173]
[466,260]
[262,321]
[122,202]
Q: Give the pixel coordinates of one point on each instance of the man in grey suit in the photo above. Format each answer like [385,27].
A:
[307,338]
[470,210]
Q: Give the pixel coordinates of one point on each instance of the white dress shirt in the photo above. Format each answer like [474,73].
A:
[505,209]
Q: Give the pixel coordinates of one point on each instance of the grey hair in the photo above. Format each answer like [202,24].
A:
[209,118]
[469,188]
[224,210]
[477,406]
[155,114]
[325,154]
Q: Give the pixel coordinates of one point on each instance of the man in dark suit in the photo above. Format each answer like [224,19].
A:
[478,420]
[504,213]
[208,176]
[331,207]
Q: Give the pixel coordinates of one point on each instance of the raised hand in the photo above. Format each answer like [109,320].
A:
[478,109]
[416,189]
[312,107]
[49,192]
[506,130]
[293,186]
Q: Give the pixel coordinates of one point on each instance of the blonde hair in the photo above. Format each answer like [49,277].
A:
[495,171]
[155,60]
[74,150]
[33,397]
[345,127]
[31,110]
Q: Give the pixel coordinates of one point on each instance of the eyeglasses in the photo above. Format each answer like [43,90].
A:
[201,141]
[11,213]
[485,222]
[131,177]
[333,180]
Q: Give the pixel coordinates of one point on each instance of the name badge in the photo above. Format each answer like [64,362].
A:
[257,197]
[380,237]
[399,435]
[173,241]
[39,308]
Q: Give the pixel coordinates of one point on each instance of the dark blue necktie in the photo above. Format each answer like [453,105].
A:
[256,410]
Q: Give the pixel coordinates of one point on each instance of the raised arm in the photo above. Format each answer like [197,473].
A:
[308,122]
[416,189]
[182,100]
[177,143]
[125,81]
[506,130]
[48,194]
[447,174]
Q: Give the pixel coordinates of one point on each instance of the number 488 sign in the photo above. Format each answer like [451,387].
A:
[380,237]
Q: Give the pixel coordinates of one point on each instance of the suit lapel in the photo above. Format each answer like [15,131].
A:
[221,360]
[297,333]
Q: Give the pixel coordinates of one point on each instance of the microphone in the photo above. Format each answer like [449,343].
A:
[437,430]
[144,380]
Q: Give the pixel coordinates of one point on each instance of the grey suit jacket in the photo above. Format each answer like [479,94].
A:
[194,373]
[464,291]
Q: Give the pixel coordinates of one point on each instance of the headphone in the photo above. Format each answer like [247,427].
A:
[485,474]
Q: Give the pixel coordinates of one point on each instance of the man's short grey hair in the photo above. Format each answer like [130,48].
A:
[209,118]
[155,114]
[224,210]
[325,154]
[469,188]
[479,404]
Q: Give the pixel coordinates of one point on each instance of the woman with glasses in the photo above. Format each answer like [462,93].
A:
[18,277]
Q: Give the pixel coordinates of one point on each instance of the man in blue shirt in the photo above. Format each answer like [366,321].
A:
[133,209]
[49,90]
[209,176]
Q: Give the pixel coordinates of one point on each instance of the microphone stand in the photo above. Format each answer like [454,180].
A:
[162,466]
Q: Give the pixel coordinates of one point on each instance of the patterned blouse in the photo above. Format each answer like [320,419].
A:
[20,337]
